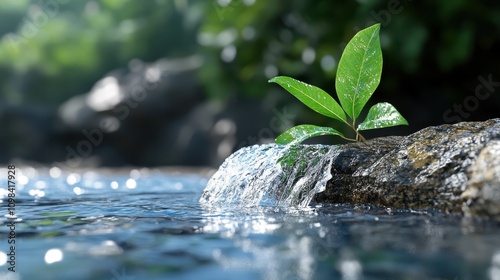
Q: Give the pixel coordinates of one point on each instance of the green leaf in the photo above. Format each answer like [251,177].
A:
[313,97]
[359,70]
[382,115]
[299,133]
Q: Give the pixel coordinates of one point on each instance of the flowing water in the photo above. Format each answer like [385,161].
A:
[271,175]
[150,224]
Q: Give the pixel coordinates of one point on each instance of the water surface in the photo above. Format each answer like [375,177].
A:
[146,224]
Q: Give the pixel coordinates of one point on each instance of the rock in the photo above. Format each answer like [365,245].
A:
[154,114]
[482,194]
[121,116]
[27,132]
[208,134]
[160,90]
[455,168]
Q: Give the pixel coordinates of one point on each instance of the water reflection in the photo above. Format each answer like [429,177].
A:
[266,242]
[353,243]
[278,243]
[263,248]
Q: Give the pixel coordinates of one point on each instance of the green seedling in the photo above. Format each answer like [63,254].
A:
[358,75]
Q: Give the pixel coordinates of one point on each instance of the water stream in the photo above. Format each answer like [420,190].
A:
[271,175]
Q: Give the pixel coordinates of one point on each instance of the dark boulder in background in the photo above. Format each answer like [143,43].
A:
[149,114]
[27,132]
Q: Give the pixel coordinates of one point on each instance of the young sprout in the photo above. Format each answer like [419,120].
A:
[358,75]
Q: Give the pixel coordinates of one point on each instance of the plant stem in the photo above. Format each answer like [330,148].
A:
[359,137]
[349,139]
[362,139]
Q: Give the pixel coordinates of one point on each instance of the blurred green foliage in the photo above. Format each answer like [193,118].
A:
[433,50]
[428,46]
[54,49]
[305,38]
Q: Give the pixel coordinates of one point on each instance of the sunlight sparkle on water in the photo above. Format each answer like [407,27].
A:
[40,184]
[3,258]
[114,185]
[55,172]
[53,256]
[106,248]
[495,267]
[73,178]
[131,184]
[78,190]
[23,180]
[37,193]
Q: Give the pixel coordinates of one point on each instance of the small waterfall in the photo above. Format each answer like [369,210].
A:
[271,175]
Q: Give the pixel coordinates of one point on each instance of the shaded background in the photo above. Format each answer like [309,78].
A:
[184,82]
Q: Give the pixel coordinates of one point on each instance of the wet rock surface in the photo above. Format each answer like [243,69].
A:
[455,168]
